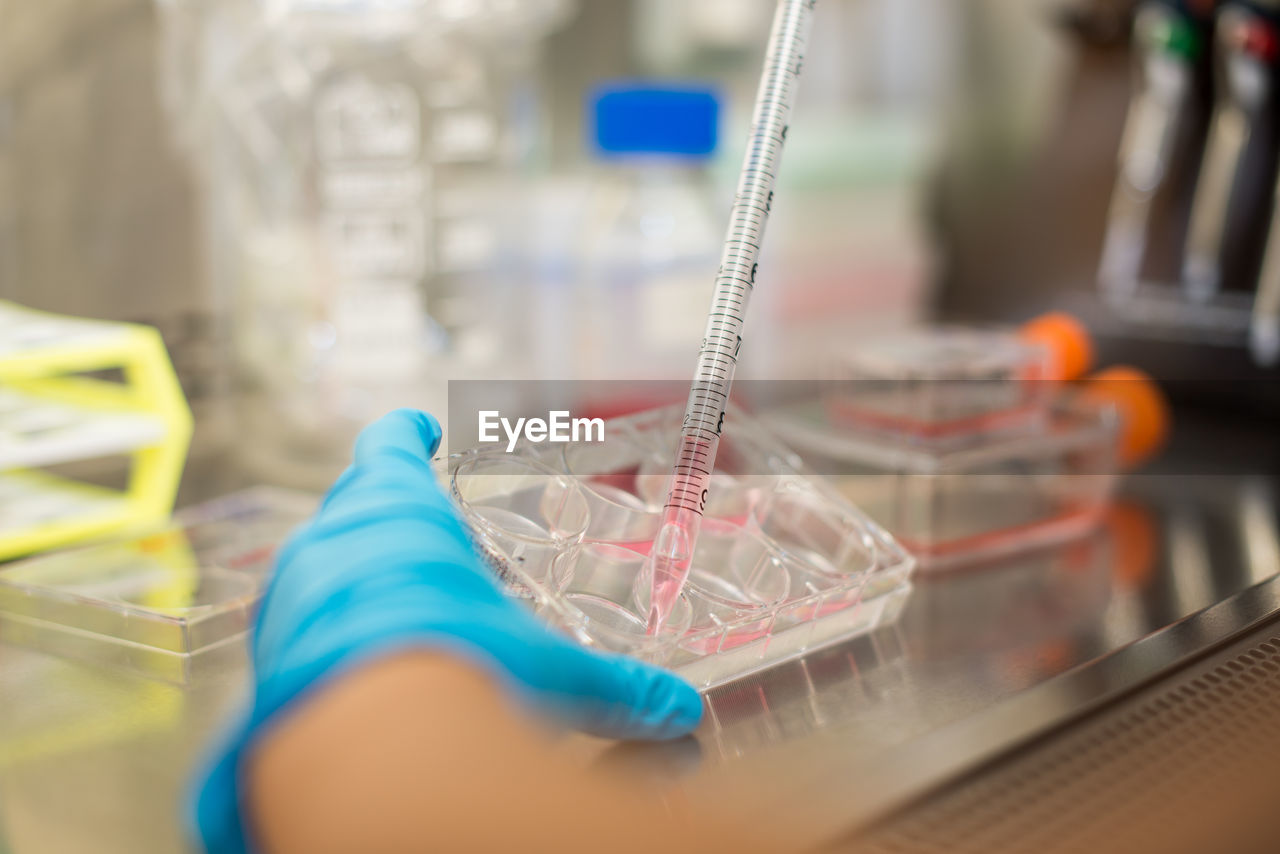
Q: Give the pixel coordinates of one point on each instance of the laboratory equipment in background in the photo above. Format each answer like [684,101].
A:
[650,231]
[783,565]
[1183,298]
[60,404]
[1264,328]
[1229,214]
[171,602]
[1218,293]
[1164,135]
[357,162]
[968,446]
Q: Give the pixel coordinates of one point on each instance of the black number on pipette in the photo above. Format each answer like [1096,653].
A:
[702,505]
[737,347]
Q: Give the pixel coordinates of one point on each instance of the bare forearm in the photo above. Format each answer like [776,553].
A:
[423,752]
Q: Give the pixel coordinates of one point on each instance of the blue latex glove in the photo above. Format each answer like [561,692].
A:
[386,565]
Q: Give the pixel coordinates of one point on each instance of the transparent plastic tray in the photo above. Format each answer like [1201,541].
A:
[960,502]
[783,565]
[159,603]
[938,383]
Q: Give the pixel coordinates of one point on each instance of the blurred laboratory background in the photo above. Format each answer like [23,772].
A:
[331,208]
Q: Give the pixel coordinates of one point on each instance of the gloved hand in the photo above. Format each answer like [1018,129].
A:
[386,565]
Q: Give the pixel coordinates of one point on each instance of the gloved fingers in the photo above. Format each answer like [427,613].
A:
[404,431]
[613,696]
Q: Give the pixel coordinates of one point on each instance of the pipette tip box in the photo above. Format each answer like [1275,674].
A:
[783,564]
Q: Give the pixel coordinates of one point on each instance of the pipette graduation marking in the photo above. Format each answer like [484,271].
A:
[718,356]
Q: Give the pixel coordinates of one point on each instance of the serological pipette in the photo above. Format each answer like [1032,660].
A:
[672,552]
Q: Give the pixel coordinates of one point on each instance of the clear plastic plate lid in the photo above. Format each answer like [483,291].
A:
[946,353]
[942,383]
[174,591]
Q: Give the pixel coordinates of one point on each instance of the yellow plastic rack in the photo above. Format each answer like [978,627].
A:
[46,363]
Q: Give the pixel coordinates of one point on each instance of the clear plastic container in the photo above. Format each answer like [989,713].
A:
[969,497]
[966,443]
[357,161]
[943,383]
[165,603]
[784,565]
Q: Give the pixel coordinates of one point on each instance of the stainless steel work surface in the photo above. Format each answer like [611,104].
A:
[1185,765]
[92,759]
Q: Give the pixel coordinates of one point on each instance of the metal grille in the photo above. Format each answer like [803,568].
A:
[1153,768]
